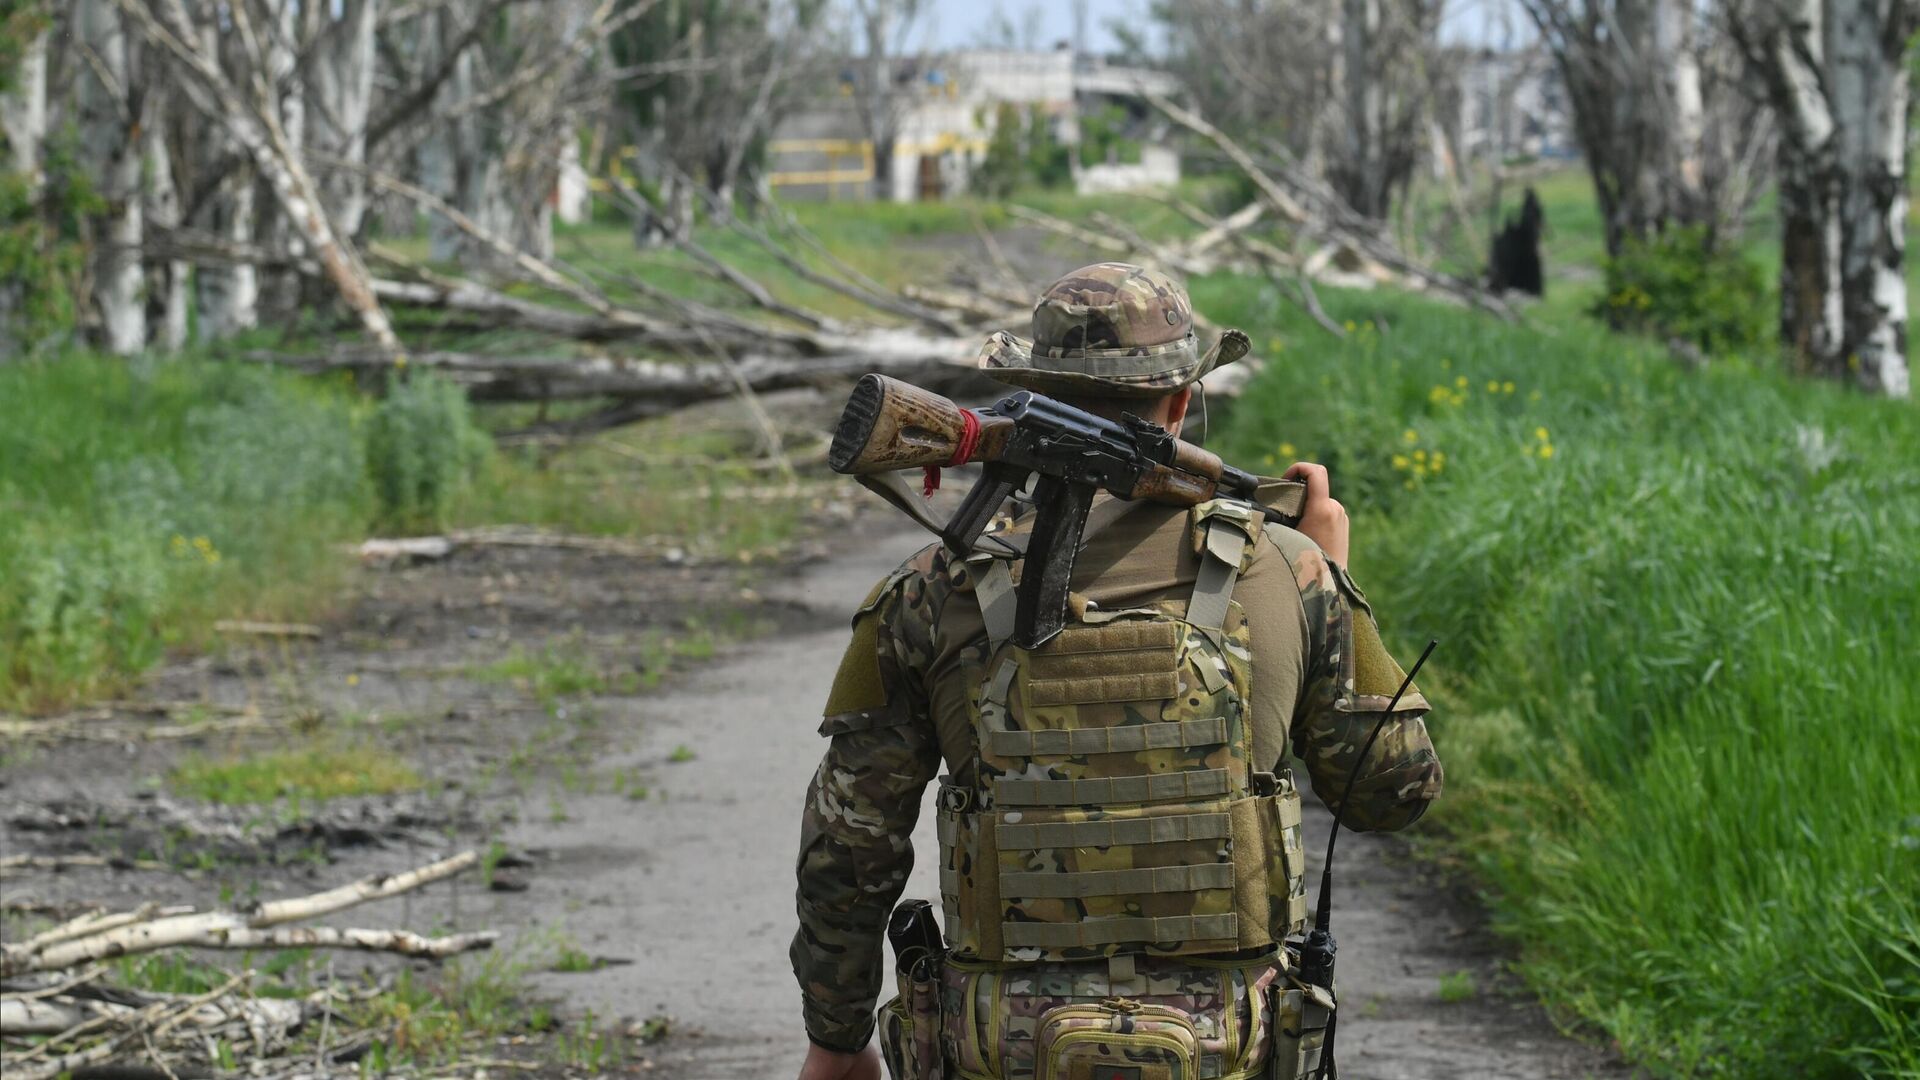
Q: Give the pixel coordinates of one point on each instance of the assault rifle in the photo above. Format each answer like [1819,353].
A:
[889,425]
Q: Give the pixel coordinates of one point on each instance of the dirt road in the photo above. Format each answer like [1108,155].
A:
[697,889]
[653,828]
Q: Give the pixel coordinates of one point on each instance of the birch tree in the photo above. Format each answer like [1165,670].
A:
[1836,72]
[108,108]
[1388,52]
[23,91]
[883,29]
[1668,136]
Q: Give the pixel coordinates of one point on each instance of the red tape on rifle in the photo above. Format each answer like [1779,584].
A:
[962,452]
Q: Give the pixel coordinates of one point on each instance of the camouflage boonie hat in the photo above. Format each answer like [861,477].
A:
[1112,330]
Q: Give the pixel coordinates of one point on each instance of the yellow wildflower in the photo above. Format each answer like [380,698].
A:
[1493,386]
[1399,461]
[1438,461]
[1351,327]
[1540,433]
[353,679]
[1458,399]
[1409,436]
[1507,387]
[1460,381]
[1287,450]
[1267,460]
[1546,451]
[1535,396]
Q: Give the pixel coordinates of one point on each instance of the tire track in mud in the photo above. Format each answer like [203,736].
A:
[695,885]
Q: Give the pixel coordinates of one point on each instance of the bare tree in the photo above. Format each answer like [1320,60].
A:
[1668,134]
[702,83]
[1836,73]
[23,92]
[1389,51]
[884,88]
[109,107]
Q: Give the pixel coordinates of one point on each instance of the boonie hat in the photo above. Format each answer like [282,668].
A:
[1109,330]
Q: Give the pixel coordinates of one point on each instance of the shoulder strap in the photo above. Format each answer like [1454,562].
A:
[1226,532]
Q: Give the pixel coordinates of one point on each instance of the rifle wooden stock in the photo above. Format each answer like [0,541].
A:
[890,425]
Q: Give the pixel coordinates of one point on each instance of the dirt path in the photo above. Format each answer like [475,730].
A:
[698,890]
[654,828]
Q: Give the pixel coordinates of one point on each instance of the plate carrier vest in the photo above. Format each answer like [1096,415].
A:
[1115,806]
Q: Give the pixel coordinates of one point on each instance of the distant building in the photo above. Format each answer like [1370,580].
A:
[953,101]
[1510,104]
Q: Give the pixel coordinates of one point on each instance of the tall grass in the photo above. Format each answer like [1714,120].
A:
[141,502]
[138,501]
[1678,672]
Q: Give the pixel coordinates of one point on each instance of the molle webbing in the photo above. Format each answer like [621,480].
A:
[1109,790]
[1138,880]
[1119,661]
[1131,929]
[1112,832]
[1126,738]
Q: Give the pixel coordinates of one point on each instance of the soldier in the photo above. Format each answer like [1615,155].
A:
[1120,847]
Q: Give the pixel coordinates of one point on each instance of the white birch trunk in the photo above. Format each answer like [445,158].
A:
[23,112]
[280,289]
[228,293]
[1868,86]
[110,148]
[167,280]
[260,134]
[1836,73]
[341,88]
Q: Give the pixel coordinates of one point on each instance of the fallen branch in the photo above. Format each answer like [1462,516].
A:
[1367,242]
[135,934]
[266,629]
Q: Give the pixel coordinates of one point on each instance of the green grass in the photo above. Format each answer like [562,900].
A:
[139,502]
[301,774]
[1676,675]
[1456,987]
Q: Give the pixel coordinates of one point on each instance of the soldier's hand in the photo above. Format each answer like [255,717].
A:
[1322,519]
[825,1064]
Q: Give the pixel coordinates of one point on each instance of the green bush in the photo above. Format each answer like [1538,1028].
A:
[1677,286]
[1675,687]
[423,449]
[141,501]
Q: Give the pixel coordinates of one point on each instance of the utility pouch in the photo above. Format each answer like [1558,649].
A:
[1117,1039]
[1300,1016]
[910,1027]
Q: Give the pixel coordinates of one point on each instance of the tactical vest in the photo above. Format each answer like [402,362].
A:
[1115,806]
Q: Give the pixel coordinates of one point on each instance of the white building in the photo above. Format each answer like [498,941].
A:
[954,100]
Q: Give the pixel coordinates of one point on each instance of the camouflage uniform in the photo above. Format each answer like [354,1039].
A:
[906,695]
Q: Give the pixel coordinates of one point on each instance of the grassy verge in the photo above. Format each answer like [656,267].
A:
[1677,626]
[143,502]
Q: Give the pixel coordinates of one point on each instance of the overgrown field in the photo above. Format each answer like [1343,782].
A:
[142,502]
[1678,626]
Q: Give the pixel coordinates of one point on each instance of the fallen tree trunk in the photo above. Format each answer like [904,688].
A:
[661,385]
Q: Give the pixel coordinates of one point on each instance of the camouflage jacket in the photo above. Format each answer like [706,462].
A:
[899,708]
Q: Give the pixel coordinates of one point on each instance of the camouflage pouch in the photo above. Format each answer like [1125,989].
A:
[910,1028]
[997,1016]
[1300,1017]
[1117,1039]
